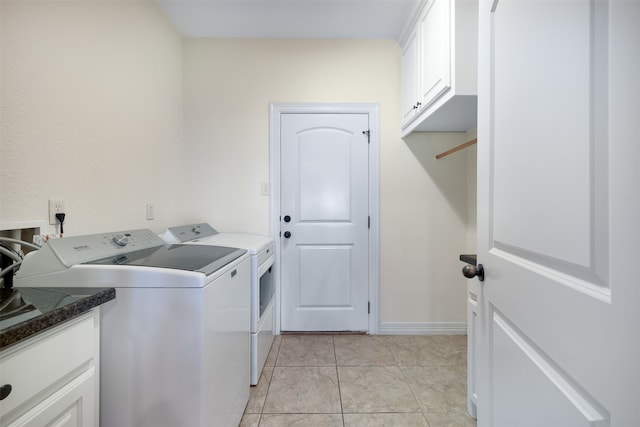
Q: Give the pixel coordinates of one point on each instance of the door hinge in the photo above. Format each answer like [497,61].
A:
[369,307]
[368,133]
[369,222]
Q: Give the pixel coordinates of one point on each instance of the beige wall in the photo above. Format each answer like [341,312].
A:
[228,87]
[91,97]
[93,113]
[424,217]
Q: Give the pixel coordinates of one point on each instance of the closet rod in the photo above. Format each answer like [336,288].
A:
[458,148]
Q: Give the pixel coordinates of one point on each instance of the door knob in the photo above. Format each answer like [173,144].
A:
[287,234]
[287,218]
[471,271]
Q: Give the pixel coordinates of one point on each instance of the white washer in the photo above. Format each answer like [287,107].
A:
[262,252]
[175,340]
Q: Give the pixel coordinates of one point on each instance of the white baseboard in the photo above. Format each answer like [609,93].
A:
[422,328]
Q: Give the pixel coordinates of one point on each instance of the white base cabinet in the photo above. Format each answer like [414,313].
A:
[54,376]
[439,67]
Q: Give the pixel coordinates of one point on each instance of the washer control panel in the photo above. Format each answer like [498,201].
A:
[81,249]
[191,233]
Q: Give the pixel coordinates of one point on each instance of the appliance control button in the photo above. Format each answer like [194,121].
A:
[120,240]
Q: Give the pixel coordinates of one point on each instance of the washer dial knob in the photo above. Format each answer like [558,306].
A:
[120,240]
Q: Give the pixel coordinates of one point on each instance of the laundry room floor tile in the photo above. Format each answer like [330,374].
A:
[273,353]
[250,420]
[450,419]
[303,390]
[258,393]
[438,388]
[375,389]
[301,420]
[362,381]
[362,350]
[427,350]
[385,420]
[306,350]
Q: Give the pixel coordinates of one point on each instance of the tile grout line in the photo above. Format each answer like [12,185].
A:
[275,363]
[335,355]
[414,395]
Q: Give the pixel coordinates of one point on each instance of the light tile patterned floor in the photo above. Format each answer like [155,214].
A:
[362,381]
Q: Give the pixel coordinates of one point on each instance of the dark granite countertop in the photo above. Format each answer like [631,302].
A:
[469,258]
[27,311]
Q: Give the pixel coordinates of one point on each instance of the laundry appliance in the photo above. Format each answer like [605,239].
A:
[262,253]
[175,342]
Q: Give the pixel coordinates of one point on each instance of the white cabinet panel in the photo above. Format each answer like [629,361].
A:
[435,78]
[74,405]
[54,376]
[439,68]
[410,58]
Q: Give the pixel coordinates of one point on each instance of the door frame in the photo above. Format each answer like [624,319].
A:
[276,109]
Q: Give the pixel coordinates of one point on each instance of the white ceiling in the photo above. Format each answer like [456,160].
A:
[317,19]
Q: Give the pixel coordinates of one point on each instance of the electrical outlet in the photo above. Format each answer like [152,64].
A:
[55,206]
[150,211]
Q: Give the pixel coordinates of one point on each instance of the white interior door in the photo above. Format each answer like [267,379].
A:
[324,222]
[558,213]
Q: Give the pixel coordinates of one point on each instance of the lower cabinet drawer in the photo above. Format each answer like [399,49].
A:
[71,406]
[36,367]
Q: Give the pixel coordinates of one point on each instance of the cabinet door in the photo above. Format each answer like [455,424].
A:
[410,61]
[435,45]
[71,406]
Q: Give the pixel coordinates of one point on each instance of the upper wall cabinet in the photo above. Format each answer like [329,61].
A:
[439,67]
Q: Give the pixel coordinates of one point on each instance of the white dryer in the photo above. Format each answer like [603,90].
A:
[262,252]
[175,340]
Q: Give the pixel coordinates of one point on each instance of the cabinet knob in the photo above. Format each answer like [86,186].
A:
[5,391]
